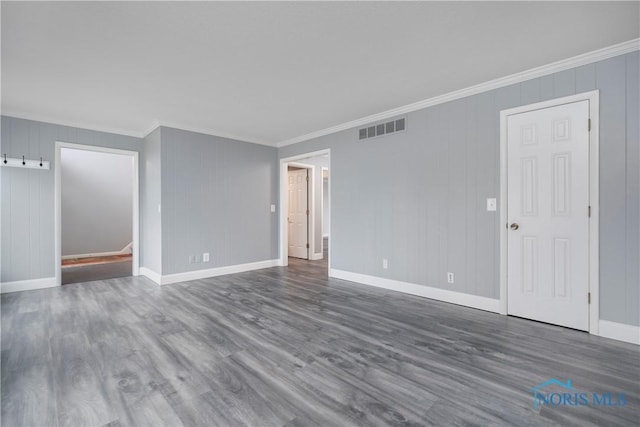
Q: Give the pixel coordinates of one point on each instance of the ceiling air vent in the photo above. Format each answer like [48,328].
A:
[381,129]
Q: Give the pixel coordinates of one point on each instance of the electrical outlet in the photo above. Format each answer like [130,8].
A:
[449,277]
[491,205]
[205,257]
[385,263]
[192,259]
[273,208]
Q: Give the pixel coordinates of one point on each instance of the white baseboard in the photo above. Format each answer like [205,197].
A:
[467,300]
[167,279]
[27,285]
[619,331]
[150,274]
[315,257]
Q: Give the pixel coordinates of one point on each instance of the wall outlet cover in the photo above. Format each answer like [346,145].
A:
[205,257]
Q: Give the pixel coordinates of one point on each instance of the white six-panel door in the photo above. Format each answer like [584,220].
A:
[548,217]
[298,214]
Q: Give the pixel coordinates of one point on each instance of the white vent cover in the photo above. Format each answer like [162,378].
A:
[381,129]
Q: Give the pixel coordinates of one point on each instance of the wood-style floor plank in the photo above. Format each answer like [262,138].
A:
[290,347]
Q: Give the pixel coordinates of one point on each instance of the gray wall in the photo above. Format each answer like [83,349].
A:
[96,202]
[27,195]
[216,197]
[418,198]
[150,200]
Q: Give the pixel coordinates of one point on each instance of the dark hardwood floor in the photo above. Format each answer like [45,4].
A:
[288,346]
[92,272]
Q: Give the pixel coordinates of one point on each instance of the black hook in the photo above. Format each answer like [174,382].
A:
[5,158]
[40,161]
[23,162]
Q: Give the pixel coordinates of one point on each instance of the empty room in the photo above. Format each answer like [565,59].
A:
[320,213]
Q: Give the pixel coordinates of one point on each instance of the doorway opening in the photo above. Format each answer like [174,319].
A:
[96,198]
[311,169]
[299,210]
[549,212]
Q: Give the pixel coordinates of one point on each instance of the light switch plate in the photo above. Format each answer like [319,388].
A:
[491,205]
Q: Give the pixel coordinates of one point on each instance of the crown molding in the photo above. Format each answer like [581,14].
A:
[554,67]
[206,131]
[70,123]
[155,124]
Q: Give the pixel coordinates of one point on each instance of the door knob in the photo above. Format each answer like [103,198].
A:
[514,226]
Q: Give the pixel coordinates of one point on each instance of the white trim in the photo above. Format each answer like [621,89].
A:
[325,236]
[594,191]
[620,331]
[135,250]
[147,272]
[467,300]
[283,202]
[71,123]
[316,256]
[187,276]
[27,285]
[565,64]
[206,131]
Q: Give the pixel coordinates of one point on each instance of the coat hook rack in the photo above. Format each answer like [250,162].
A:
[24,163]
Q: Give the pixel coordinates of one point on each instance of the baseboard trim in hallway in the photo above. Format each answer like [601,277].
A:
[619,331]
[28,285]
[168,279]
[467,300]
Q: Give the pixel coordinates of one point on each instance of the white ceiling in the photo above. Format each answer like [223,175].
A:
[268,72]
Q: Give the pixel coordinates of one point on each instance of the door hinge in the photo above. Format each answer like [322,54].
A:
[589,125]
[589,297]
[307,178]
[589,211]
[307,211]
[307,246]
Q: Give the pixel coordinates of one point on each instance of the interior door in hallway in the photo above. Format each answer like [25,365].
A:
[298,213]
[548,214]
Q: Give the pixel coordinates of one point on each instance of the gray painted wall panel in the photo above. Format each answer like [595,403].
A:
[451,152]
[611,80]
[633,185]
[28,195]
[150,198]
[564,83]
[216,197]
[585,78]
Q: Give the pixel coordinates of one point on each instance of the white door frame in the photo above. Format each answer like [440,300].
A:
[284,203]
[135,250]
[594,249]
